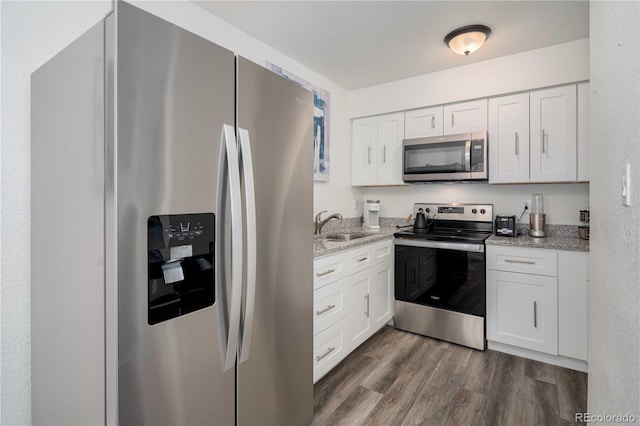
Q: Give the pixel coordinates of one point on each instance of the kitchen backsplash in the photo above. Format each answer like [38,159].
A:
[566,231]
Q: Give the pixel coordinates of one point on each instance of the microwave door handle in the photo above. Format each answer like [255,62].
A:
[467,156]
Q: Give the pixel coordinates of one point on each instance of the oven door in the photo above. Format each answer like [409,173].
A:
[445,158]
[449,276]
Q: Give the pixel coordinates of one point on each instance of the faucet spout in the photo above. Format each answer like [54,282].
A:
[320,223]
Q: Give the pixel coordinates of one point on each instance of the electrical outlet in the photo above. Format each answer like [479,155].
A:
[526,205]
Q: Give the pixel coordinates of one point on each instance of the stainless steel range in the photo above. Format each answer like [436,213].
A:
[440,273]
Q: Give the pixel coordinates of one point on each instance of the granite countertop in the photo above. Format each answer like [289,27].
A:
[551,243]
[322,246]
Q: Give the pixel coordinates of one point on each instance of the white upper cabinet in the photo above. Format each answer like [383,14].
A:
[422,123]
[509,139]
[465,117]
[377,150]
[390,135]
[364,146]
[583,132]
[553,146]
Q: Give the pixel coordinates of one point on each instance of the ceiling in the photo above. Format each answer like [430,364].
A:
[362,43]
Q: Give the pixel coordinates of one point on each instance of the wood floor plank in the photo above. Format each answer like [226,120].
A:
[572,392]
[394,406]
[335,387]
[540,371]
[479,371]
[450,369]
[388,370]
[503,402]
[540,403]
[355,408]
[430,407]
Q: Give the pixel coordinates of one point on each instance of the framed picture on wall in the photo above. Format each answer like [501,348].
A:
[320,123]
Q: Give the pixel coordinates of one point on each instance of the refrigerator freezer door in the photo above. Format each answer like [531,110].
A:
[67,235]
[175,92]
[275,383]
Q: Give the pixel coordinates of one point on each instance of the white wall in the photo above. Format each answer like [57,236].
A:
[549,66]
[33,32]
[614,308]
[561,201]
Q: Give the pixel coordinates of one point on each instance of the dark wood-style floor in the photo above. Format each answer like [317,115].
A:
[403,378]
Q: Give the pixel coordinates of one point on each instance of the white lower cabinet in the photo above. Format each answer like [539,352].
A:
[352,306]
[525,308]
[537,304]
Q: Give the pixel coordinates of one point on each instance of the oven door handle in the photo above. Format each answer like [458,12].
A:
[414,242]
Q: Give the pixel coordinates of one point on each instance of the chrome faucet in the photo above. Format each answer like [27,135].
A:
[320,223]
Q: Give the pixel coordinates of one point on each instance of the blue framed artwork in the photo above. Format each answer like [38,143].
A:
[320,123]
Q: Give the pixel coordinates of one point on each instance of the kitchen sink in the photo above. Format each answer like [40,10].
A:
[345,236]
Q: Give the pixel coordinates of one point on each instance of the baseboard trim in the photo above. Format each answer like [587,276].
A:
[559,360]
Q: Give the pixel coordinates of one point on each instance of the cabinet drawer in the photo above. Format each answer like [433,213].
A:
[360,259]
[524,260]
[382,251]
[329,349]
[329,269]
[328,306]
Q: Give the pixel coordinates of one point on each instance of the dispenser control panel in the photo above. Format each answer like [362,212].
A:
[180,265]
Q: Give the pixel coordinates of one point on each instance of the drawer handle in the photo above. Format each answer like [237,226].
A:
[319,357]
[362,259]
[535,314]
[328,308]
[524,262]
[321,274]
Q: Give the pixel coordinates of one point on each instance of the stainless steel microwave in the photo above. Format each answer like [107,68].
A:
[461,157]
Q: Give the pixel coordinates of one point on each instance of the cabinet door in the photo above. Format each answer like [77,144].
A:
[465,117]
[359,307]
[572,304]
[522,310]
[422,123]
[553,142]
[364,150]
[583,132]
[509,139]
[381,295]
[390,135]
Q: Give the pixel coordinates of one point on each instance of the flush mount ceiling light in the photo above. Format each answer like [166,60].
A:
[467,39]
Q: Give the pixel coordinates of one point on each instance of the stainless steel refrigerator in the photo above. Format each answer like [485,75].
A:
[171,233]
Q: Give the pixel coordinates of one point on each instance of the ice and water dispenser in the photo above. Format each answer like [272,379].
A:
[180,264]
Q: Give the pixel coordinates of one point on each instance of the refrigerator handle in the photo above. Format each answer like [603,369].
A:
[251,249]
[229,161]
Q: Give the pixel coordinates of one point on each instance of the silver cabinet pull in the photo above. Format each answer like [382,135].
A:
[328,308]
[369,155]
[433,122]
[525,262]
[452,122]
[320,274]
[542,141]
[362,259]
[367,299]
[535,314]
[331,349]
[384,153]
[517,143]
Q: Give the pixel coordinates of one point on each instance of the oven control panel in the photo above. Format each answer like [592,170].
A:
[457,211]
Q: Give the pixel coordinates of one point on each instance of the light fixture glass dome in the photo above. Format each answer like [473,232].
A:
[467,39]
